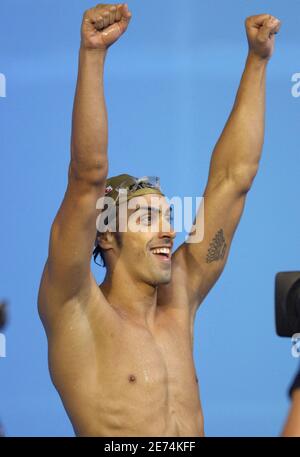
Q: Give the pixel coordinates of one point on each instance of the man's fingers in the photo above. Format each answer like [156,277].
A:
[269,28]
[258,20]
[264,31]
[123,24]
[106,18]
[112,32]
[126,13]
[104,24]
[109,31]
[107,15]
[262,20]
[125,16]
[119,12]
[277,27]
[112,14]
[274,24]
[99,24]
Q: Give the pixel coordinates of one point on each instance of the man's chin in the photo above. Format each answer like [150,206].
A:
[163,279]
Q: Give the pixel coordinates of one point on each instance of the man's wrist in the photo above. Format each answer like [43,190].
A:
[93,53]
[256,59]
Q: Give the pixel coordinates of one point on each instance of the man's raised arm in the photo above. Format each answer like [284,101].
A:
[67,271]
[233,166]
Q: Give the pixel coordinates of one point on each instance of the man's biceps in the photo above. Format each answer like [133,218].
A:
[220,232]
[208,260]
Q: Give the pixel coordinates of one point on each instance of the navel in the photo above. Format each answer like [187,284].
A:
[196,379]
[131,378]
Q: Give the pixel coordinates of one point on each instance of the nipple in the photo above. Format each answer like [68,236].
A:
[132,378]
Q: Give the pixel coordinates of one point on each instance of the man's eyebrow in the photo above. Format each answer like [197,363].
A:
[153,208]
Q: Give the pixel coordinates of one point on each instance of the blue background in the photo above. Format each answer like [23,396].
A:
[170,84]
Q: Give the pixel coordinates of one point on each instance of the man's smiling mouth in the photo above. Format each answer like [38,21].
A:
[163,253]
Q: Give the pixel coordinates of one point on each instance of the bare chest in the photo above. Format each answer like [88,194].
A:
[150,372]
[131,372]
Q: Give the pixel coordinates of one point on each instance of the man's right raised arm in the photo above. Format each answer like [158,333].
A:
[67,273]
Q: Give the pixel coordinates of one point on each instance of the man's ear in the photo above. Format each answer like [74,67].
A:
[105,240]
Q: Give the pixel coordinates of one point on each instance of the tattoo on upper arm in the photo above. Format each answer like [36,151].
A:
[217,247]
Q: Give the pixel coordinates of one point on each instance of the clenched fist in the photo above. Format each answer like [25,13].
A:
[103,25]
[261,32]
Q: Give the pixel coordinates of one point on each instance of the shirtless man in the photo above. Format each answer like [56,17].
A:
[121,354]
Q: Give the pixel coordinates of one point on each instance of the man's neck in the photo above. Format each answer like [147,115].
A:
[136,301]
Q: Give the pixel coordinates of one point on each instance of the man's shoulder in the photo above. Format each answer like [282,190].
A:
[89,308]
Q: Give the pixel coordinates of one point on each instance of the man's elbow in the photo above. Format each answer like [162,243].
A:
[94,174]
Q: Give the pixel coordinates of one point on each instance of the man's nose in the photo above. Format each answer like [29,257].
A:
[166,229]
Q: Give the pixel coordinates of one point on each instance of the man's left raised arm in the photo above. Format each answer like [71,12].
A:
[234,164]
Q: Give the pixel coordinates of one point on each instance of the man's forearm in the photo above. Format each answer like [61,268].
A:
[238,151]
[89,127]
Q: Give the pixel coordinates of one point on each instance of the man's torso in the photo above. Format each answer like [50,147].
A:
[119,378]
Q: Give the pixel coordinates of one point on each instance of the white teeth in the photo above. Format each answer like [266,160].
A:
[161,251]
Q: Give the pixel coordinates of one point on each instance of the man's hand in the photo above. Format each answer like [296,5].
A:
[103,25]
[261,31]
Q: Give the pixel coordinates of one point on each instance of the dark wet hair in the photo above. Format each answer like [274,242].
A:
[98,252]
